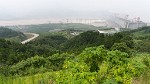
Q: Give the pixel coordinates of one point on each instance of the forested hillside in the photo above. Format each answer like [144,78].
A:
[88,58]
[55,27]
[11,34]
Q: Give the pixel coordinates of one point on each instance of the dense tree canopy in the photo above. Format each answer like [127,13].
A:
[8,33]
[89,58]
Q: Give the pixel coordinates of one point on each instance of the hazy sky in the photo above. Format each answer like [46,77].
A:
[27,8]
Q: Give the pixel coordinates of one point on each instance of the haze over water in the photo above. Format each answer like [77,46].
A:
[42,11]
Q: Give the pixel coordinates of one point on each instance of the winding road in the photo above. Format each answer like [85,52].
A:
[30,39]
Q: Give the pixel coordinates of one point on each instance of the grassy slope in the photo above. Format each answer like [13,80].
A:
[50,77]
[44,78]
[144,78]
[142,35]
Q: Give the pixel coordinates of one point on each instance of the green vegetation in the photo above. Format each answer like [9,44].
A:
[11,35]
[93,65]
[88,58]
[93,38]
[56,27]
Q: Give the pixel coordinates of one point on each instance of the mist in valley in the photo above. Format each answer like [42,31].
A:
[36,11]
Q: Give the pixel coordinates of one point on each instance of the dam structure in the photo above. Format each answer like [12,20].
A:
[124,22]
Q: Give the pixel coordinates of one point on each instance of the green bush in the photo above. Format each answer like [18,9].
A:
[29,65]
